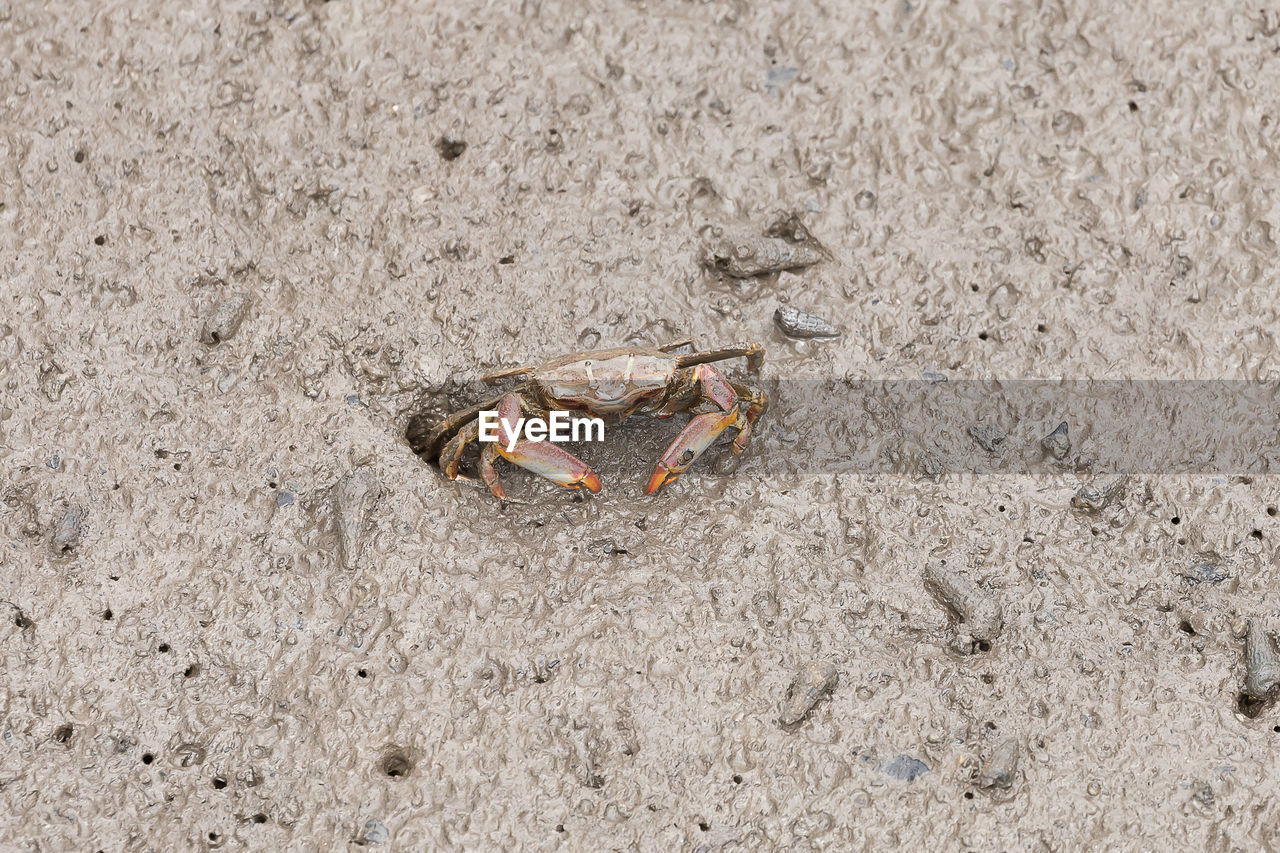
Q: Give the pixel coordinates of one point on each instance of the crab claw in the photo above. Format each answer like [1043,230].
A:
[695,438]
[558,465]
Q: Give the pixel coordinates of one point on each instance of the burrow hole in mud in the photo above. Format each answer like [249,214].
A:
[22,622]
[968,795]
[63,733]
[984,646]
[213,836]
[1186,627]
[559,827]
[396,764]
[703,825]
[1252,707]
[1041,328]
[1255,533]
[1175,520]
[1000,508]
[100,240]
[78,156]
[107,615]
[191,671]
[362,673]
[1133,106]
[259,818]
[219,783]
[1271,511]
[163,648]
[737,779]
[147,758]
[450,149]
[982,336]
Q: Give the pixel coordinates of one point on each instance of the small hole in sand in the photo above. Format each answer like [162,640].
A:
[1271,511]
[703,825]
[1249,706]
[396,764]
[1256,534]
[362,673]
[1041,327]
[163,648]
[63,733]
[984,646]
[737,780]
[147,758]
[450,149]
[982,336]
[219,783]
[107,615]
[100,240]
[259,818]
[968,795]
[191,671]
[1185,627]
[1175,520]
[79,156]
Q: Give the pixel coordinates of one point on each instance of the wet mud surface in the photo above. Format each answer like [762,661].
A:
[241,245]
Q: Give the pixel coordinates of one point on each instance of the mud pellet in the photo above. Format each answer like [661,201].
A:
[1262,668]
[989,436]
[752,256]
[1001,767]
[811,683]
[977,609]
[795,323]
[67,534]
[1057,443]
[226,319]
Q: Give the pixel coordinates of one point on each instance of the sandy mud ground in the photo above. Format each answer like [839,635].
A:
[242,243]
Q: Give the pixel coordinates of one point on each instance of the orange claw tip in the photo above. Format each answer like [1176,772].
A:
[659,478]
[592,482]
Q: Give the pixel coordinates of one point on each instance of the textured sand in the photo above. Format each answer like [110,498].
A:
[239,613]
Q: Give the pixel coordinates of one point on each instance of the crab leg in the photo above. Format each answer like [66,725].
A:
[541,457]
[696,437]
[451,455]
[756,404]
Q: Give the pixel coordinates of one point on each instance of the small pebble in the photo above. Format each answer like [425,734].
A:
[811,683]
[376,832]
[67,534]
[1001,766]
[799,324]
[226,319]
[1204,572]
[977,609]
[1057,443]
[904,768]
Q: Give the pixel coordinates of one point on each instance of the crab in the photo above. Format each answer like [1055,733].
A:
[612,384]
